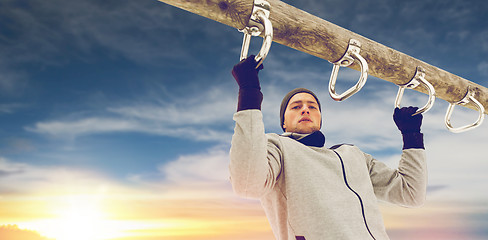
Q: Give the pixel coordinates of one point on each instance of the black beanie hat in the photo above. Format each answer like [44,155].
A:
[287,98]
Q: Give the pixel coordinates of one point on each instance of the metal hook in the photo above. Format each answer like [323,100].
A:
[259,20]
[418,79]
[347,59]
[466,99]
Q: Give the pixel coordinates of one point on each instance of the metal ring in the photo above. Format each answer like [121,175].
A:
[467,98]
[351,54]
[418,79]
[249,31]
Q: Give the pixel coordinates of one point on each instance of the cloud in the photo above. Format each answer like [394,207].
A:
[12,83]
[209,107]
[483,68]
[459,163]
[85,126]
[437,220]
[483,40]
[7,82]
[203,116]
[14,232]
[16,145]
[100,125]
[24,179]
[210,166]
[9,108]
[202,175]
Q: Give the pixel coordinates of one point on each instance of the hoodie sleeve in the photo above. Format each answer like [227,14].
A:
[404,186]
[255,162]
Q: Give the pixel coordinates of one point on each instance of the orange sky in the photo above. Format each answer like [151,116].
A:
[184,214]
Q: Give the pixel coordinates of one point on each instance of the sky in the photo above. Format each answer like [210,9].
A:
[116,117]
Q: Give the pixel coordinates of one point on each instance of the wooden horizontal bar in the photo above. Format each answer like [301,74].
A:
[305,32]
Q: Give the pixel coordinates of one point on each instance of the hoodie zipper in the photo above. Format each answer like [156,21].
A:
[357,195]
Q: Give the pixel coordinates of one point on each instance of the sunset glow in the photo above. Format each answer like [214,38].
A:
[73,217]
[81,217]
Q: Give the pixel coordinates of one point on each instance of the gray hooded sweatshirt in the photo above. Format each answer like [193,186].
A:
[318,193]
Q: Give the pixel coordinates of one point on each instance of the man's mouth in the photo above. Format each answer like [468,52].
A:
[305,119]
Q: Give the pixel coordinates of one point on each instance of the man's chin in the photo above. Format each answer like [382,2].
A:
[305,130]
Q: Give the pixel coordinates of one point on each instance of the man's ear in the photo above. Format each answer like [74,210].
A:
[284,126]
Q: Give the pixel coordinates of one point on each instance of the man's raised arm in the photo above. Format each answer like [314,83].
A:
[406,185]
[251,171]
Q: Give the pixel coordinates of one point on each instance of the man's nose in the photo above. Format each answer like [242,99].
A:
[305,110]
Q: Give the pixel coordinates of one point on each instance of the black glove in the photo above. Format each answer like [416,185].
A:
[404,120]
[246,76]
[409,126]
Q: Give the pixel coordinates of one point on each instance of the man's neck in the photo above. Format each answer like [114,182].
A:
[315,139]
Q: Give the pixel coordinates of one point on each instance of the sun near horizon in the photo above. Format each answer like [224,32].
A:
[98,217]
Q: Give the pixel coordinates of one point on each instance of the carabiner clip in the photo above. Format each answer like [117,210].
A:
[418,79]
[469,97]
[352,53]
[259,20]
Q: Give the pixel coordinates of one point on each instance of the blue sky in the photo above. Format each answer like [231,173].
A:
[138,94]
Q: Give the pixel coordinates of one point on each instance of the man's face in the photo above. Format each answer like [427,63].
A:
[302,115]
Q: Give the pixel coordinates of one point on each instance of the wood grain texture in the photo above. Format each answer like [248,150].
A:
[304,32]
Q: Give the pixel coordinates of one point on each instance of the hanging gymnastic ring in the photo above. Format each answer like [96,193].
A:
[418,79]
[259,21]
[469,97]
[352,53]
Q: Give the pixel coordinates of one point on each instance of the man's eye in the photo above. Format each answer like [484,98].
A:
[295,107]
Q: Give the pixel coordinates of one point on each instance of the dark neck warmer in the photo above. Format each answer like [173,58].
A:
[315,139]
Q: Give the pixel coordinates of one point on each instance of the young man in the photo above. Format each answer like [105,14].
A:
[309,191]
